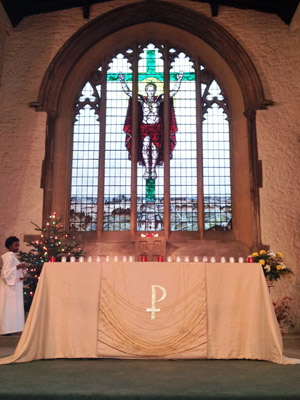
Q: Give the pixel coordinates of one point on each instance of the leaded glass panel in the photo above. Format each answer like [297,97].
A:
[85,161]
[117,171]
[216,159]
[150,171]
[183,165]
[209,124]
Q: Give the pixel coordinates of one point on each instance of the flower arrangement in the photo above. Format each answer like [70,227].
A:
[272,264]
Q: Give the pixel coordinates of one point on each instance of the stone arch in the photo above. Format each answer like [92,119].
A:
[163,12]
[182,18]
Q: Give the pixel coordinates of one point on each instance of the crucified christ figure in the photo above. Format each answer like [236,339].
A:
[151,125]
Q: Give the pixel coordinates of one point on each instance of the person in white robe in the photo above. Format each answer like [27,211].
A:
[12,316]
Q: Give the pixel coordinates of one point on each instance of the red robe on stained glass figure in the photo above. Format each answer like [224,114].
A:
[151,128]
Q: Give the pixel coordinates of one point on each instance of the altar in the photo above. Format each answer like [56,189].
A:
[151,310]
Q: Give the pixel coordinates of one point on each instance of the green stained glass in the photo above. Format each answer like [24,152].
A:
[150,189]
[150,61]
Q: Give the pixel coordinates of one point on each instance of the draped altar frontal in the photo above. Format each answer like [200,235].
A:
[151,311]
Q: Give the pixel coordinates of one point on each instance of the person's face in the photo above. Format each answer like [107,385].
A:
[14,247]
[150,91]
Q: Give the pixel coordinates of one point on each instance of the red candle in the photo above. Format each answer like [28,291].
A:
[143,258]
[250,259]
[160,258]
[52,259]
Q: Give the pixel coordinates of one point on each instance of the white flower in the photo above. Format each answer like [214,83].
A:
[282,265]
[267,268]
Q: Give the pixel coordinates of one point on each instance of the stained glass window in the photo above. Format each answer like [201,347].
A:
[133,121]
[85,160]
[183,166]
[216,159]
[117,171]
[150,172]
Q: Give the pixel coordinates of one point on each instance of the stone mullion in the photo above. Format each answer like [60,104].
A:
[199,119]
[134,144]
[102,127]
[166,114]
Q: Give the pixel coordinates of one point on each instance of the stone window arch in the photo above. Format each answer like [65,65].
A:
[211,48]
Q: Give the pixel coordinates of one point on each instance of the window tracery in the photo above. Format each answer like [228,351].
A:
[180,147]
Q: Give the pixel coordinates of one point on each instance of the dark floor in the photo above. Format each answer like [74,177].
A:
[106,379]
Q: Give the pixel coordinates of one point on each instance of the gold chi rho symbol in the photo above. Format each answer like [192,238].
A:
[153,310]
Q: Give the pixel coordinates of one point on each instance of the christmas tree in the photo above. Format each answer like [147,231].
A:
[54,242]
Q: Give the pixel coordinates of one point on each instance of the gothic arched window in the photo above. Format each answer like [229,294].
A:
[151,145]
[151,126]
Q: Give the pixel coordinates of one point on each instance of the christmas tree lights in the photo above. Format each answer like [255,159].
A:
[54,242]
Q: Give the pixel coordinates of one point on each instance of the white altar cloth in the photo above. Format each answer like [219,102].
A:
[235,318]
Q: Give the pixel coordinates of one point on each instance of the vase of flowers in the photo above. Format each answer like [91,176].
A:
[272,264]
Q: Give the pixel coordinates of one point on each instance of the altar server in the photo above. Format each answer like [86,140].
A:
[12,315]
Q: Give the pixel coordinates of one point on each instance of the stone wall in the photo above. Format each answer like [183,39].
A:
[4,29]
[274,47]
